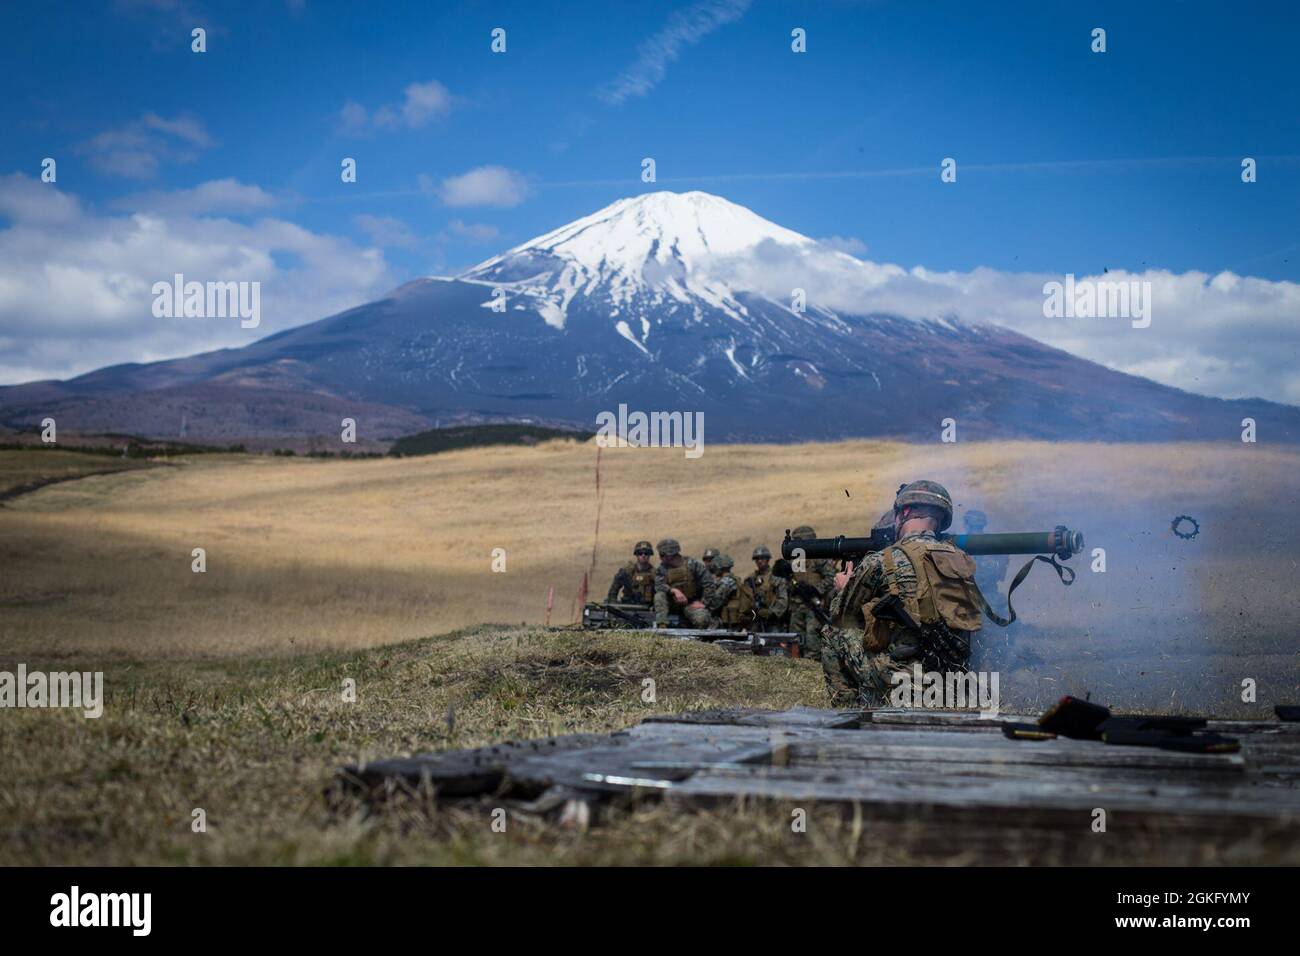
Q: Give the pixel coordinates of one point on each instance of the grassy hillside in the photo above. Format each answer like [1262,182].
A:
[310,555]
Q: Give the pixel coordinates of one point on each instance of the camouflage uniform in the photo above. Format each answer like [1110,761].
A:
[632,586]
[821,575]
[856,675]
[709,560]
[771,600]
[692,578]
[726,604]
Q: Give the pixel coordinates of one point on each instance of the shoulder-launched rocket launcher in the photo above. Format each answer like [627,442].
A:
[1045,546]
[1060,541]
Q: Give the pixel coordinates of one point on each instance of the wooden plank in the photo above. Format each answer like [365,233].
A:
[1233,728]
[873,743]
[1028,793]
[1081,779]
[917,717]
[797,717]
[906,716]
[957,773]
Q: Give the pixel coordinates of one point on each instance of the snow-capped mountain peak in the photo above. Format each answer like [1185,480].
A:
[655,227]
[646,248]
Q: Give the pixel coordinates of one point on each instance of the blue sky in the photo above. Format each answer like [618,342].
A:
[1068,160]
[883,87]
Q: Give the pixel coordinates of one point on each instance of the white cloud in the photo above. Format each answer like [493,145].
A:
[684,27]
[186,128]
[75,285]
[845,244]
[1226,335]
[27,201]
[424,102]
[421,104]
[391,233]
[386,231]
[353,117]
[217,195]
[473,231]
[137,149]
[484,186]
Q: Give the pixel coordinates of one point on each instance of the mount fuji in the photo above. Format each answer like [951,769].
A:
[655,302]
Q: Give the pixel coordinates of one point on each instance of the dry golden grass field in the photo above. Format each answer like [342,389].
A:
[222,686]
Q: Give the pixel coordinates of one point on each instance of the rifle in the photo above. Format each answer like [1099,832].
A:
[617,612]
[758,596]
[941,649]
[1045,546]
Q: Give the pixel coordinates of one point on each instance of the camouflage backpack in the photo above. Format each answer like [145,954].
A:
[946,597]
[731,613]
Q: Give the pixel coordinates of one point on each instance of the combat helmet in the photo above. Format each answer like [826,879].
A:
[723,562]
[669,546]
[761,552]
[643,546]
[803,532]
[709,554]
[929,493]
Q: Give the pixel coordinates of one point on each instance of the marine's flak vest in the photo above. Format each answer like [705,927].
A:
[945,591]
[736,610]
[642,581]
[945,583]
[681,578]
[764,589]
